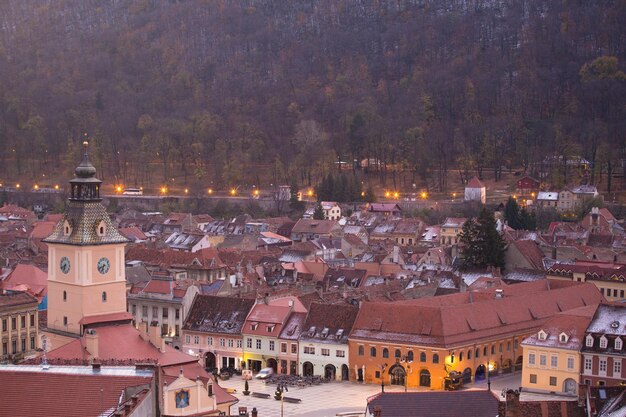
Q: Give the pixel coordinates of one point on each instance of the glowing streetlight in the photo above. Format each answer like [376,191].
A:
[396,195]
[387,194]
[424,194]
[56,186]
[186,190]
[36,187]
[233,191]
[163,190]
[210,191]
[310,193]
[118,188]
[255,193]
[17,186]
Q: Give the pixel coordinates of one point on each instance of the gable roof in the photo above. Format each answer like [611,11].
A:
[478,403]
[213,314]
[531,252]
[314,226]
[331,317]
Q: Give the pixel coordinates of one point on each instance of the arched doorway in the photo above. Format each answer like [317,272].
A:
[479,375]
[345,372]
[424,378]
[307,369]
[209,361]
[467,375]
[397,375]
[359,375]
[519,363]
[271,363]
[330,371]
[569,386]
[507,366]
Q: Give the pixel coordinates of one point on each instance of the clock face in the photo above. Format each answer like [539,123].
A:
[103,265]
[65,265]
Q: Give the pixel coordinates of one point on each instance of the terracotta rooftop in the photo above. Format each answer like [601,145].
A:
[572,323]
[16,299]
[314,226]
[34,279]
[332,322]
[66,391]
[452,320]
[531,252]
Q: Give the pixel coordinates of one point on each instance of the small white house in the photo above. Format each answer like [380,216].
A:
[332,211]
[475,191]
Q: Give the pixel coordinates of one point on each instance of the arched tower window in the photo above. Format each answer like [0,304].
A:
[64,295]
[104,296]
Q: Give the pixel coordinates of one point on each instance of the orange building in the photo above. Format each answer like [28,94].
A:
[418,343]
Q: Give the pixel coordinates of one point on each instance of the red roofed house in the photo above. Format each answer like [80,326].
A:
[41,230]
[262,328]
[475,191]
[466,332]
[527,185]
[27,278]
[523,254]
[609,277]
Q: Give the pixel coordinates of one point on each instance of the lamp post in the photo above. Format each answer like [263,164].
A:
[382,378]
[489,369]
[282,387]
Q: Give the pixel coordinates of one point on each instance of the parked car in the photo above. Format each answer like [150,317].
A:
[265,373]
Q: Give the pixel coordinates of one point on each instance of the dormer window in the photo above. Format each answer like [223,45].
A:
[563,338]
[589,341]
[254,326]
[603,342]
[618,343]
[542,335]
[67,228]
[270,328]
[325,332]
[101,229]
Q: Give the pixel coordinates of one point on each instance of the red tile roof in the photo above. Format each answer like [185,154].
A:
[477,403]
[32,277]
[106,318]
[42,230]
[475,183]
[451,320]
[120,344]
[51,394]
[531,252]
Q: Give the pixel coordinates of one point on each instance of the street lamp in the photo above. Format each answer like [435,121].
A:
[489,369]
[280,389]
[382,377]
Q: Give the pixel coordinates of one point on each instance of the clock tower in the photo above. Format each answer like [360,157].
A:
[86,276]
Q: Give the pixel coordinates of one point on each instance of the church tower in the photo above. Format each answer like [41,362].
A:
[86,275]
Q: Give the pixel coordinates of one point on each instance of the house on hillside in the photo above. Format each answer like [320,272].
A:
[332,211]
[528,185]
[475,191]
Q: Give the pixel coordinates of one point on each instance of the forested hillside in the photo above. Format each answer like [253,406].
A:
[261,91]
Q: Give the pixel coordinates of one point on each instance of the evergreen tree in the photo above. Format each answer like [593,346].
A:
[512,214]
[370,196]
[318,214]
[482,244]
[294,203]
[528,220]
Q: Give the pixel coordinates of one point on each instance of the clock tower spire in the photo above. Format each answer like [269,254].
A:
[86,276]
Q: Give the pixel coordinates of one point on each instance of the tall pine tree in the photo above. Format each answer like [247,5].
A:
[482,245]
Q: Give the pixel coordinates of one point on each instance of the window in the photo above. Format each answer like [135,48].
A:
[508,346]
[422,357]
[361,351]
[531,359]
[485,351]
[294,348]
[239,343]
[477,353]
[5,348]
[589,340]
[602,365]
[196,340]
[222,342]
[23,345]
[23,322]
[155,312]
[272,345]
[176,330]
[493,349]
[165,312]
[283,348]
[398,354]
[570,363]
[64,295]
[209,341]
[309,350]
[533,378]
[603,342]
[32,342]
[325,352]
[14,323]
[133,308]
[618,344]
[340,353]
[469,354]
[249,343]
[409,356]
[258,344]
[177,316]
[500,350]
[515,344]
[385,353]
[588,364]
[4,325]
[65,320]
[543,360]
[144,311]
[554,361]
[187,339]
[435,358]
[377,374]
[553,381]
[460,356]
[617,367]
[373,352]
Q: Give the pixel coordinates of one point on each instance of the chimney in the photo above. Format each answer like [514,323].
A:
[154,336]
[143,330]
[91,342]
